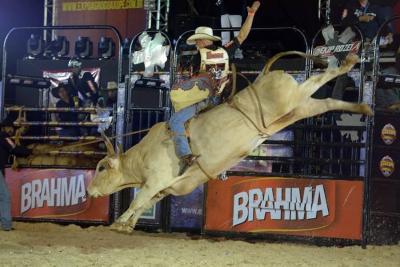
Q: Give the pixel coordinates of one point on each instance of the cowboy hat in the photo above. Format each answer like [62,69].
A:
[55,91]
[202,33]
[111,86]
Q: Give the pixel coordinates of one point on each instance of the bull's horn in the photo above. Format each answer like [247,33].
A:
[288,53]
[109,145]
[119,148]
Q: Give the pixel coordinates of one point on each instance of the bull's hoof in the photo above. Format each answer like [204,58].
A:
[349,62]
[121,227]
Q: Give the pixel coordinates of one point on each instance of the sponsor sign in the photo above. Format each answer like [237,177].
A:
[330,50]
[101,5]
[150,213]
[386,166]
[55,194]
[187,211]
[388,134]
[306,207]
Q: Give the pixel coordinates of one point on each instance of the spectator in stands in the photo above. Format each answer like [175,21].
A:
[7,147]
[231,17]
[83,85]
[368,17]
[63,93]
[387,95]
[112,89]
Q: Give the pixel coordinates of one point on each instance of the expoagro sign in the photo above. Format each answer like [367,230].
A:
[55,194]
[306,207]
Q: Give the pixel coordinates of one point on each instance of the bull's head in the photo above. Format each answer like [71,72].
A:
[109,176]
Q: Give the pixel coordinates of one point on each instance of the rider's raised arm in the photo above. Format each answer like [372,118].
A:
[246,27]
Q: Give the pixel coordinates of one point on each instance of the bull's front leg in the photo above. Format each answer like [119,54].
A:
[144,196]
[130,224]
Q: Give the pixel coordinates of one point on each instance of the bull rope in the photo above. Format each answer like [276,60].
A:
[231,102]
[262,132]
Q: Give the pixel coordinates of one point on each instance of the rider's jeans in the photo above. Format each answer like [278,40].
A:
[178,120]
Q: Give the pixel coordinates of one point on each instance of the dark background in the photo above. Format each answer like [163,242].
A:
[272,13]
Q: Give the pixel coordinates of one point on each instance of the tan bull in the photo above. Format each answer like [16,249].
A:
[222,137]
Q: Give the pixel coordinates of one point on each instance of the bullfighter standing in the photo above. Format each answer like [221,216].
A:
[7,147]
[205,88]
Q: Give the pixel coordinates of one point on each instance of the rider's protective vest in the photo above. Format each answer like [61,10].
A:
[215,62]
[213,77]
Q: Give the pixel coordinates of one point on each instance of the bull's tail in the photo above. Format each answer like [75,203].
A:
[289,53]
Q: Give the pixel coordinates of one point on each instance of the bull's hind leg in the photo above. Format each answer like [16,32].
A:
[312,84]
[314,107]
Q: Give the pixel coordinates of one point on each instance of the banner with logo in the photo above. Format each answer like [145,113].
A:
[187,211]
[151,216]
[101,5]
[304,207]
[55,194]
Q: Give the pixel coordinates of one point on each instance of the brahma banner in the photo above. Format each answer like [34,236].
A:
[306,207]
[55,194]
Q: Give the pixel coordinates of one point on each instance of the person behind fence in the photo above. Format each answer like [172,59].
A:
[387,94]
[369,17]
[210,66]
[231,17]
[83,84]
[66,100]
[7,147]
[111,93]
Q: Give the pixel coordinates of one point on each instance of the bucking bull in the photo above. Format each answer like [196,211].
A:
[221,137]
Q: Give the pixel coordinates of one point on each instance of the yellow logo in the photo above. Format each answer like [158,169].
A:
[388,134]
[101,5]
[386,165]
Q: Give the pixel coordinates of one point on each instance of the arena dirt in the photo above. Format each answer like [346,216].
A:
[45,244]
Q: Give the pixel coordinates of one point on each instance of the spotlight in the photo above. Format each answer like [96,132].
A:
[35,46]
[83,47]
[125,47]
[58,48]
[28,81]
[106,48]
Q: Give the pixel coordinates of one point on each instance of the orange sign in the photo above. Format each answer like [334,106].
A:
[308,207]
[55,194]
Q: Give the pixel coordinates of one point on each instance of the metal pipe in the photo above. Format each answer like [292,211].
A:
[72,153]
[56,138]
[54,109]
[55,123]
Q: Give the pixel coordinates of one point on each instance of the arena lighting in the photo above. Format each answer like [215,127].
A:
[106,48]
[35,46]
[58,47]
[125,47]
[28,81]
[83,47]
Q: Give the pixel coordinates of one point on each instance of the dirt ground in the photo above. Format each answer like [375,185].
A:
[45,244]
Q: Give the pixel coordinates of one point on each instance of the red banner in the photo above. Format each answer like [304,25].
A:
[55,194]
[307,207]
